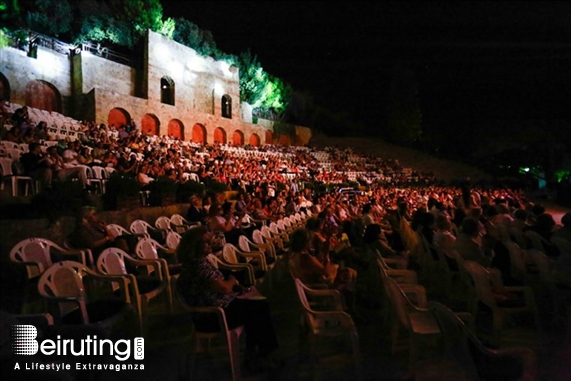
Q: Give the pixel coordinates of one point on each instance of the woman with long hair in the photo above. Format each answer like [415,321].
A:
[202,284]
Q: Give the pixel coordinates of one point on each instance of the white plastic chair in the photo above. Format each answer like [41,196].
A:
[101,306]
[163,223]
[8,174]
[257,260]
[35,254]
[143,228]
[180,224]
[230,336]
[333,322]
[172,240]
[143,288]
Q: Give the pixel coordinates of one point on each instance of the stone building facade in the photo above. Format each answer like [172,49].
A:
[170,91]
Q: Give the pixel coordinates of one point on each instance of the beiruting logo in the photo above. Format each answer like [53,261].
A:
[24,339]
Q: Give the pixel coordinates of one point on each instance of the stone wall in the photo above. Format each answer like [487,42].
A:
[200,83]
[20,69]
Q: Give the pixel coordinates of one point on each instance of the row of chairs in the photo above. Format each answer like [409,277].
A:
[38,255]
[407,308]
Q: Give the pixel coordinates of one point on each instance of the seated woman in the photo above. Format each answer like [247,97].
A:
[202,284]
[311,270]
[223,220]
[375,241]
[469,243]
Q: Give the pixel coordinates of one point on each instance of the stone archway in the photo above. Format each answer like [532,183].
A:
[226,106]
[238,138]
[176,129]
[118,117]
[219,135]
[150,125]
[167,90]
[254,140]
[199,134]
[43,95]
[269,137]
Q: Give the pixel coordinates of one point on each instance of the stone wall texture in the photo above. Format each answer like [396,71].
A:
[201,86]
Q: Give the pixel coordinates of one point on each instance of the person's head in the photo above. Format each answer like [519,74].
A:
[35,148]
[366,208]
[299,240]
[545,222]
[476,212]
[491,211]
[228,208]
[470,226]
[195,201]
[221,197]
[442,222]
[566,220]
[372,233]
[86,215]
[537,209]
[215,210]
[521,214]
[194,244]
[312,224]
[503,208]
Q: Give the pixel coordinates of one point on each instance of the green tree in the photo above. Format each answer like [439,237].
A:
[189,34]
[9,11]
[50,17]
[98,24]
[252,78]
[261,90]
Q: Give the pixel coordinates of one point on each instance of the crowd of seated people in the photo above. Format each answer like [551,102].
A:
[346,232]
[273,182]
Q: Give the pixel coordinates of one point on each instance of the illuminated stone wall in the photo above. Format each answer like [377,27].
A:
[199,86]
[50,67]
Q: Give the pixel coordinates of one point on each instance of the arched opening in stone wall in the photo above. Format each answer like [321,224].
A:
[150,125]
[254,140]
[269,137]
[199,134]
[4,88]
[43,95]
[238,138]
[219,135]
[226,106]
[284,140]
[167,90]
[118,117]
[176,129]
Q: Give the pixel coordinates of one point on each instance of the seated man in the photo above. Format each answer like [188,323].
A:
[196,214]
[36,165]
[92,233]
[63,170]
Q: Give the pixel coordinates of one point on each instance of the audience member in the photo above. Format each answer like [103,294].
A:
[36,166]
[202,284]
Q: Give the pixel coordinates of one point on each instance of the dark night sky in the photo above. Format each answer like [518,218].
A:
[472,60]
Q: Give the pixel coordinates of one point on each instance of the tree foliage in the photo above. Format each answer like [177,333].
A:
[189,34]
[260,89]
[51,17]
